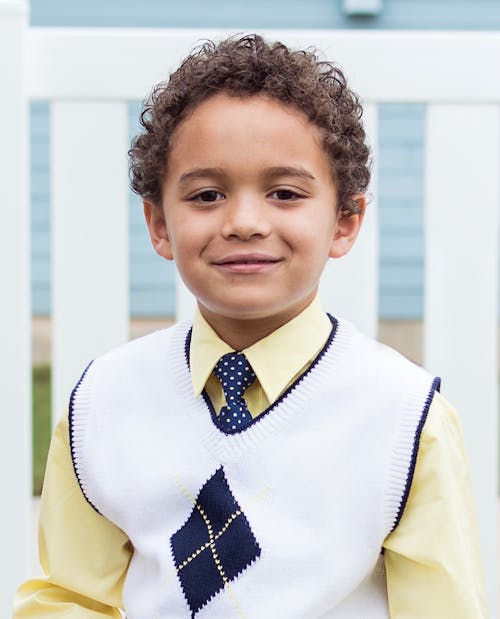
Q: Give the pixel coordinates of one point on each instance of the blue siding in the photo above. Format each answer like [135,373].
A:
[40,206]
[401,160]
[396,14]
[152,279]
[401,133]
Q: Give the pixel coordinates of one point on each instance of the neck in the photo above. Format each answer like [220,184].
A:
[241,333]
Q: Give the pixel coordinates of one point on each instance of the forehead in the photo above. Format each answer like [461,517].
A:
[230,131]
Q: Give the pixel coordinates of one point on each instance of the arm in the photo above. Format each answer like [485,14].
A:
[432,557]
[84,556]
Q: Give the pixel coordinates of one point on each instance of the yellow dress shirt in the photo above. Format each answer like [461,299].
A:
[277,360]
[432,558]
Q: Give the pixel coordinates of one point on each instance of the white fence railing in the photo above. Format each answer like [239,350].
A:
[88,75]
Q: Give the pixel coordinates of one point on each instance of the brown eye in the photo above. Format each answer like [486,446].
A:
[284,194]
[209,196]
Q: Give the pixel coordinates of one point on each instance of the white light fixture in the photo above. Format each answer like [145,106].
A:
[362,8]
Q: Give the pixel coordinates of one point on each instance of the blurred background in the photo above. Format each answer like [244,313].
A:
[399,197]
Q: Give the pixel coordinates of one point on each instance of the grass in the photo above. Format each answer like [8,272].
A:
[41,423]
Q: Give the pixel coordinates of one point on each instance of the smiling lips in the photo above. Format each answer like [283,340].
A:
[247,263]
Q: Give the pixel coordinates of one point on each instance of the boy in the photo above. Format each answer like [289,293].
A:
[268,460]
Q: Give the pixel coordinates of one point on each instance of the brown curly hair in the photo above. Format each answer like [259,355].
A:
[248,66]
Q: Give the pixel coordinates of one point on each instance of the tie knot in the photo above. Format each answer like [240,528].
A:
[235,374]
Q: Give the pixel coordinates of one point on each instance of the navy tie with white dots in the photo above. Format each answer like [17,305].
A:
[235,374]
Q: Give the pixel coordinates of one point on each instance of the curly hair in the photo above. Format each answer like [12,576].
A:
[244,67]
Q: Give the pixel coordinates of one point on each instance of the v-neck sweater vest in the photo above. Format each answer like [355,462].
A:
[283,519]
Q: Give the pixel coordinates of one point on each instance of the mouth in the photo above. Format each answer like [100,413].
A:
[247,263]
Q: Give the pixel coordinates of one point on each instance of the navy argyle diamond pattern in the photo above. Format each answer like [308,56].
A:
[214,545]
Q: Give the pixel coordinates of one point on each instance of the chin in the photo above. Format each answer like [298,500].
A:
[246,312]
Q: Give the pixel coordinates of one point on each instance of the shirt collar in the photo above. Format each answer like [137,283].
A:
[276,359]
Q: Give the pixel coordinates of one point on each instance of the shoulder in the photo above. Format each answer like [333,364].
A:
[442,424]
[129,371]
[378,363]
[141,356]
[148,345]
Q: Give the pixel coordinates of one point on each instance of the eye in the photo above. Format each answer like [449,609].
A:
[208,195]
[285,195]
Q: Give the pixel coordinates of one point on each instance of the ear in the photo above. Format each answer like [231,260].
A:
[155,220]
[347,228]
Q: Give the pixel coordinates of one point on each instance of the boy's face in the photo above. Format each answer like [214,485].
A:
[249,210]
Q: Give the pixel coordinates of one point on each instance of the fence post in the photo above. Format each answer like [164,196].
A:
[349,286]
[15,310]
[461,214]
[185,303]
[89,237]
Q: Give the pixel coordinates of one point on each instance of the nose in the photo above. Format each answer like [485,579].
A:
[245,217]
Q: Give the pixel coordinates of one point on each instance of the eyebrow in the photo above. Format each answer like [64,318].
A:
[294,171]
[197,173]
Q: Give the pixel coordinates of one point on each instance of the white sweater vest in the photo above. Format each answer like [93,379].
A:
[284,519]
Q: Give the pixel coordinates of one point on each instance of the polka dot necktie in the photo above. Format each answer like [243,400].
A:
[235,375]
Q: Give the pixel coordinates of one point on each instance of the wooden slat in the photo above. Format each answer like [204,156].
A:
[76,63]
[89,238]
[461,313]
[349,285]
[15,350]
[184,301]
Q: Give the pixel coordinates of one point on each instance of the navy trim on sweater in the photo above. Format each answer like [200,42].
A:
[436,385]
[70,428]
[281,397]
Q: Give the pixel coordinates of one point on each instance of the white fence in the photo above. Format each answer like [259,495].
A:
[88,75]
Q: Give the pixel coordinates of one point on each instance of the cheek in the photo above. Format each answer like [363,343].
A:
[188,240]
[313,233]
